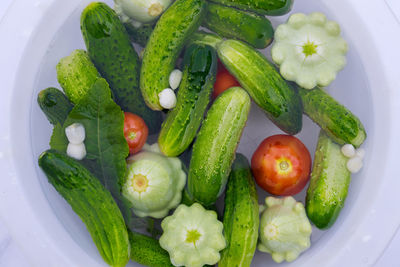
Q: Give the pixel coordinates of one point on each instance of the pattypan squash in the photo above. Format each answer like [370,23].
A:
[284,229]
[309,50]
[192,236]
[154,182]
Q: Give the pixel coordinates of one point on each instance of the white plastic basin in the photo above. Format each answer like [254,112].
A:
[36,34]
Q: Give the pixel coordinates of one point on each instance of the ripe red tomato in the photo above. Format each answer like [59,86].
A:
[224,80]
[281,165]
[135,132]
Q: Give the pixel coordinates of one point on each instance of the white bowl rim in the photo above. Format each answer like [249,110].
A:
[32,236]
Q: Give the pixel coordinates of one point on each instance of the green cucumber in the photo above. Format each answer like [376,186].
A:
[241,216]
[54,104]
[238,24]
[181,125]
[264,84]
[172,30]
[76,75]
[147,251]
[215,146]
[91,202]
[112,53]
[204,38]
[336,120]
[139,35]
[263,7]
[329,183]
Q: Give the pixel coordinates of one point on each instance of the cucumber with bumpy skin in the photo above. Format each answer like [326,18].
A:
[238,24]
[181,125]
[264,84]
[54,104]
[147,251]
[172,30]
[215,146]
[112,53]
[76,74]
[329,183]
[336,120]
[263,7]
[93,204]
[241,216]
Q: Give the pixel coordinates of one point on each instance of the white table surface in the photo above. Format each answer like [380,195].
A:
[11,256]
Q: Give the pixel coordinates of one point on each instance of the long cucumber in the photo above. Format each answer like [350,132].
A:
[172,30]
[329,183]
[215,146]
[233,23]
[263,7]
[181,125]
[113,55]
[93,204]
[264,84]
[241,216]
[337,121]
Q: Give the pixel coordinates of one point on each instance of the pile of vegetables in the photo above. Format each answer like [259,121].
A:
[114,100]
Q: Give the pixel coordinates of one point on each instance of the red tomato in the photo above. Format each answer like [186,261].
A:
[224,80]
[281,165]
[135,132]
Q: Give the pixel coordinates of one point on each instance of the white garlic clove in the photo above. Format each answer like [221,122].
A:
[76,151]
[75,133]
[167,98]
[348,150]
[175,79]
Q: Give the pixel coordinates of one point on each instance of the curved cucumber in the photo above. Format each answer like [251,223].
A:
[215,146]
[241,216]
[263,7]
[93,204]
[329,183]
[176,24]
[336,120]
[112,53]
[264,84]
[238,24]
[181,125]
[54,104]
[147,251]
[76,75]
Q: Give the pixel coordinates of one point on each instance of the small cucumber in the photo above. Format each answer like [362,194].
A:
[147,251]
[264,84]
[329,183]
[76,75]
[241,216]
[204,38]
[238,24]
[215,146]
[181,125]
[112,53]
[173,28]
[336,120]
[92,203]
[263,7]
[139,35]
[54,104]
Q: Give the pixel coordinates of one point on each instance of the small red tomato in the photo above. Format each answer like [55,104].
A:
[281,165]
[135,132]
[224,80]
